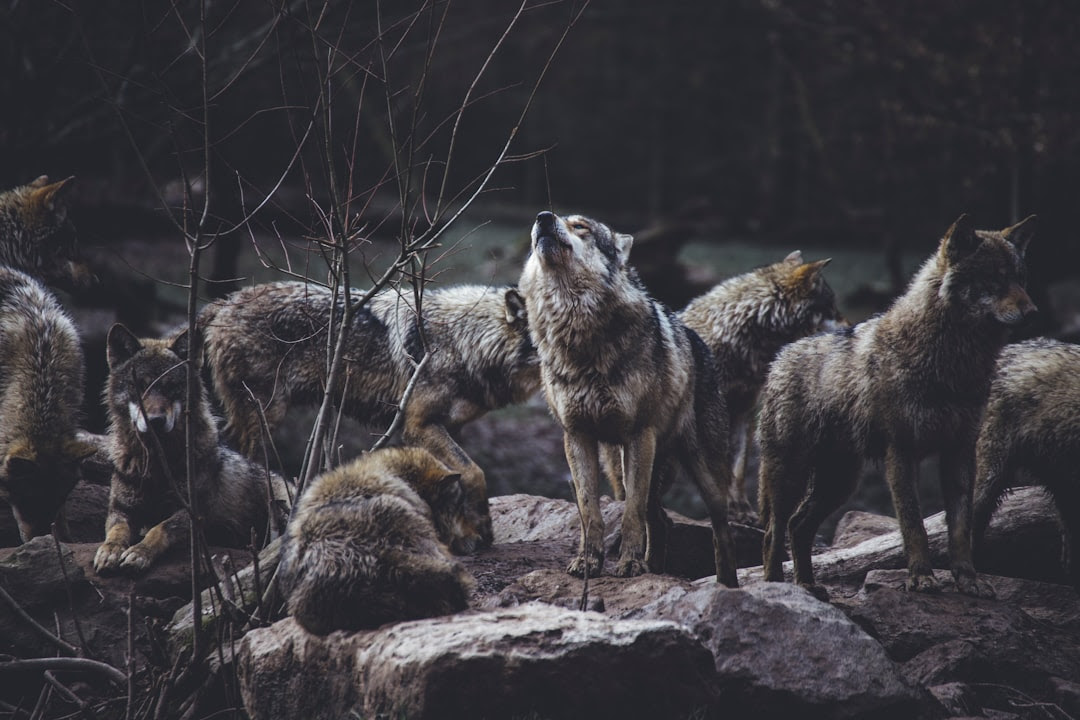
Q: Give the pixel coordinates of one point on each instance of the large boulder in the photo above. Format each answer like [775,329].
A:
[535,660]
[780,652]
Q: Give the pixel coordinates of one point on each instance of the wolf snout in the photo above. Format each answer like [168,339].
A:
[545,221]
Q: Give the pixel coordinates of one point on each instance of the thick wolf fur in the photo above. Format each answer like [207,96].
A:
[146,396]
[624,378]
[41,393]
[901,386]
[1031,431]
[366,544]
[270,341]
[745,320]
[36,235]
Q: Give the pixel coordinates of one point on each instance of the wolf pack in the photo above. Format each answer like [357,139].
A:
[643,395]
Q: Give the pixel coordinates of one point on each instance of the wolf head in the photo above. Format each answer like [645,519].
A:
[577,247]
[147,379]
[36,478]
[36,235]
[812,300]
[985,272]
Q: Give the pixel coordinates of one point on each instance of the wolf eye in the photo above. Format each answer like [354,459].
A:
[578,225]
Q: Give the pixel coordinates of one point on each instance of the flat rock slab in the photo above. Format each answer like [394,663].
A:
[535,660]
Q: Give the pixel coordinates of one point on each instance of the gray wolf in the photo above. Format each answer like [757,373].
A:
[1031,431]
[146,398]
[745,320]
[36,235]
[41,393]
[269,341]
[901,386]
[626,379]
[366,544]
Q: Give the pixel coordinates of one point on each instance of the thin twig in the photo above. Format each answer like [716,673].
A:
[70,597]
[76,664]
[45,633]
[399,416]
[129,708]
[84,707]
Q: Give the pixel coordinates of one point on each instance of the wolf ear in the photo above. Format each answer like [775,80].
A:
[960,239]
[48,196]
[515,308]
[449,491]
[805,275]
[622,247]
[1021,233]
[181,345]
[120,345]
[794,257]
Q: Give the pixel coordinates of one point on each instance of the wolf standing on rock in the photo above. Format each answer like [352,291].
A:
[146,395]
[41,392]
[623,376]
[901,386]
[270,341]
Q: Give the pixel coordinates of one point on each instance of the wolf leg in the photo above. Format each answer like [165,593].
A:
[831,483]
[957,472]
[157,540]
[994,473]
[712,479]
[900,472]
[739,507]
[582,455]
[638,456]
[612,465]
[780,487]
[117,540]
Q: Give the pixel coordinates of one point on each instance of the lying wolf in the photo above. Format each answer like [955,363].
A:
[366,545]
[901,386]
[146,398]
[623,376]
[269,342]
[1031,430]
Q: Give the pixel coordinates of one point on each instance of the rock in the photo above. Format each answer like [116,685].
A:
[528,518]
[85,507]
[949,637]
[856,526]
[618,597]
[780,652]
[535,660]
[40,572]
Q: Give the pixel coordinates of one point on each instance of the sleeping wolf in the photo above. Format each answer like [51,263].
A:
[901,386]
[1031,429]
[145,396]
[625,377]
[36,235]
[41,392]
[745,320]
[270,341]
[366,545]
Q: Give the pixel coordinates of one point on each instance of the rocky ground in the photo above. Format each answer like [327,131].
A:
[673,645]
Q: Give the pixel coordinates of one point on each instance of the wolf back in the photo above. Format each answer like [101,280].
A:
[41,392]
[270,341]
[146,396]
[624,378]
[901,386]
[1031,432]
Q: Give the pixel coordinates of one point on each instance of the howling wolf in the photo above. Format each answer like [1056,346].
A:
[901,386]
[624,377]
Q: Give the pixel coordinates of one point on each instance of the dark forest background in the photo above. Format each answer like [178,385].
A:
[865,122]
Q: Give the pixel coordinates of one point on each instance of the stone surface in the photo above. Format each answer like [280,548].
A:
[534,659]
[779,652]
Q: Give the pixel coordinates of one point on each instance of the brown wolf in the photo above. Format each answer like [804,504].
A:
[745,320]
[1031,429]
[270,341]
[624,377]
[366,544]
[36,235]
[901,386]
[41,392]
[146,396]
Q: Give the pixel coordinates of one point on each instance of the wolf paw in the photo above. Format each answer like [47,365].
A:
[108,557]
[926,583]
[973,586]
[136,558]
[578,564]
[631,567]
